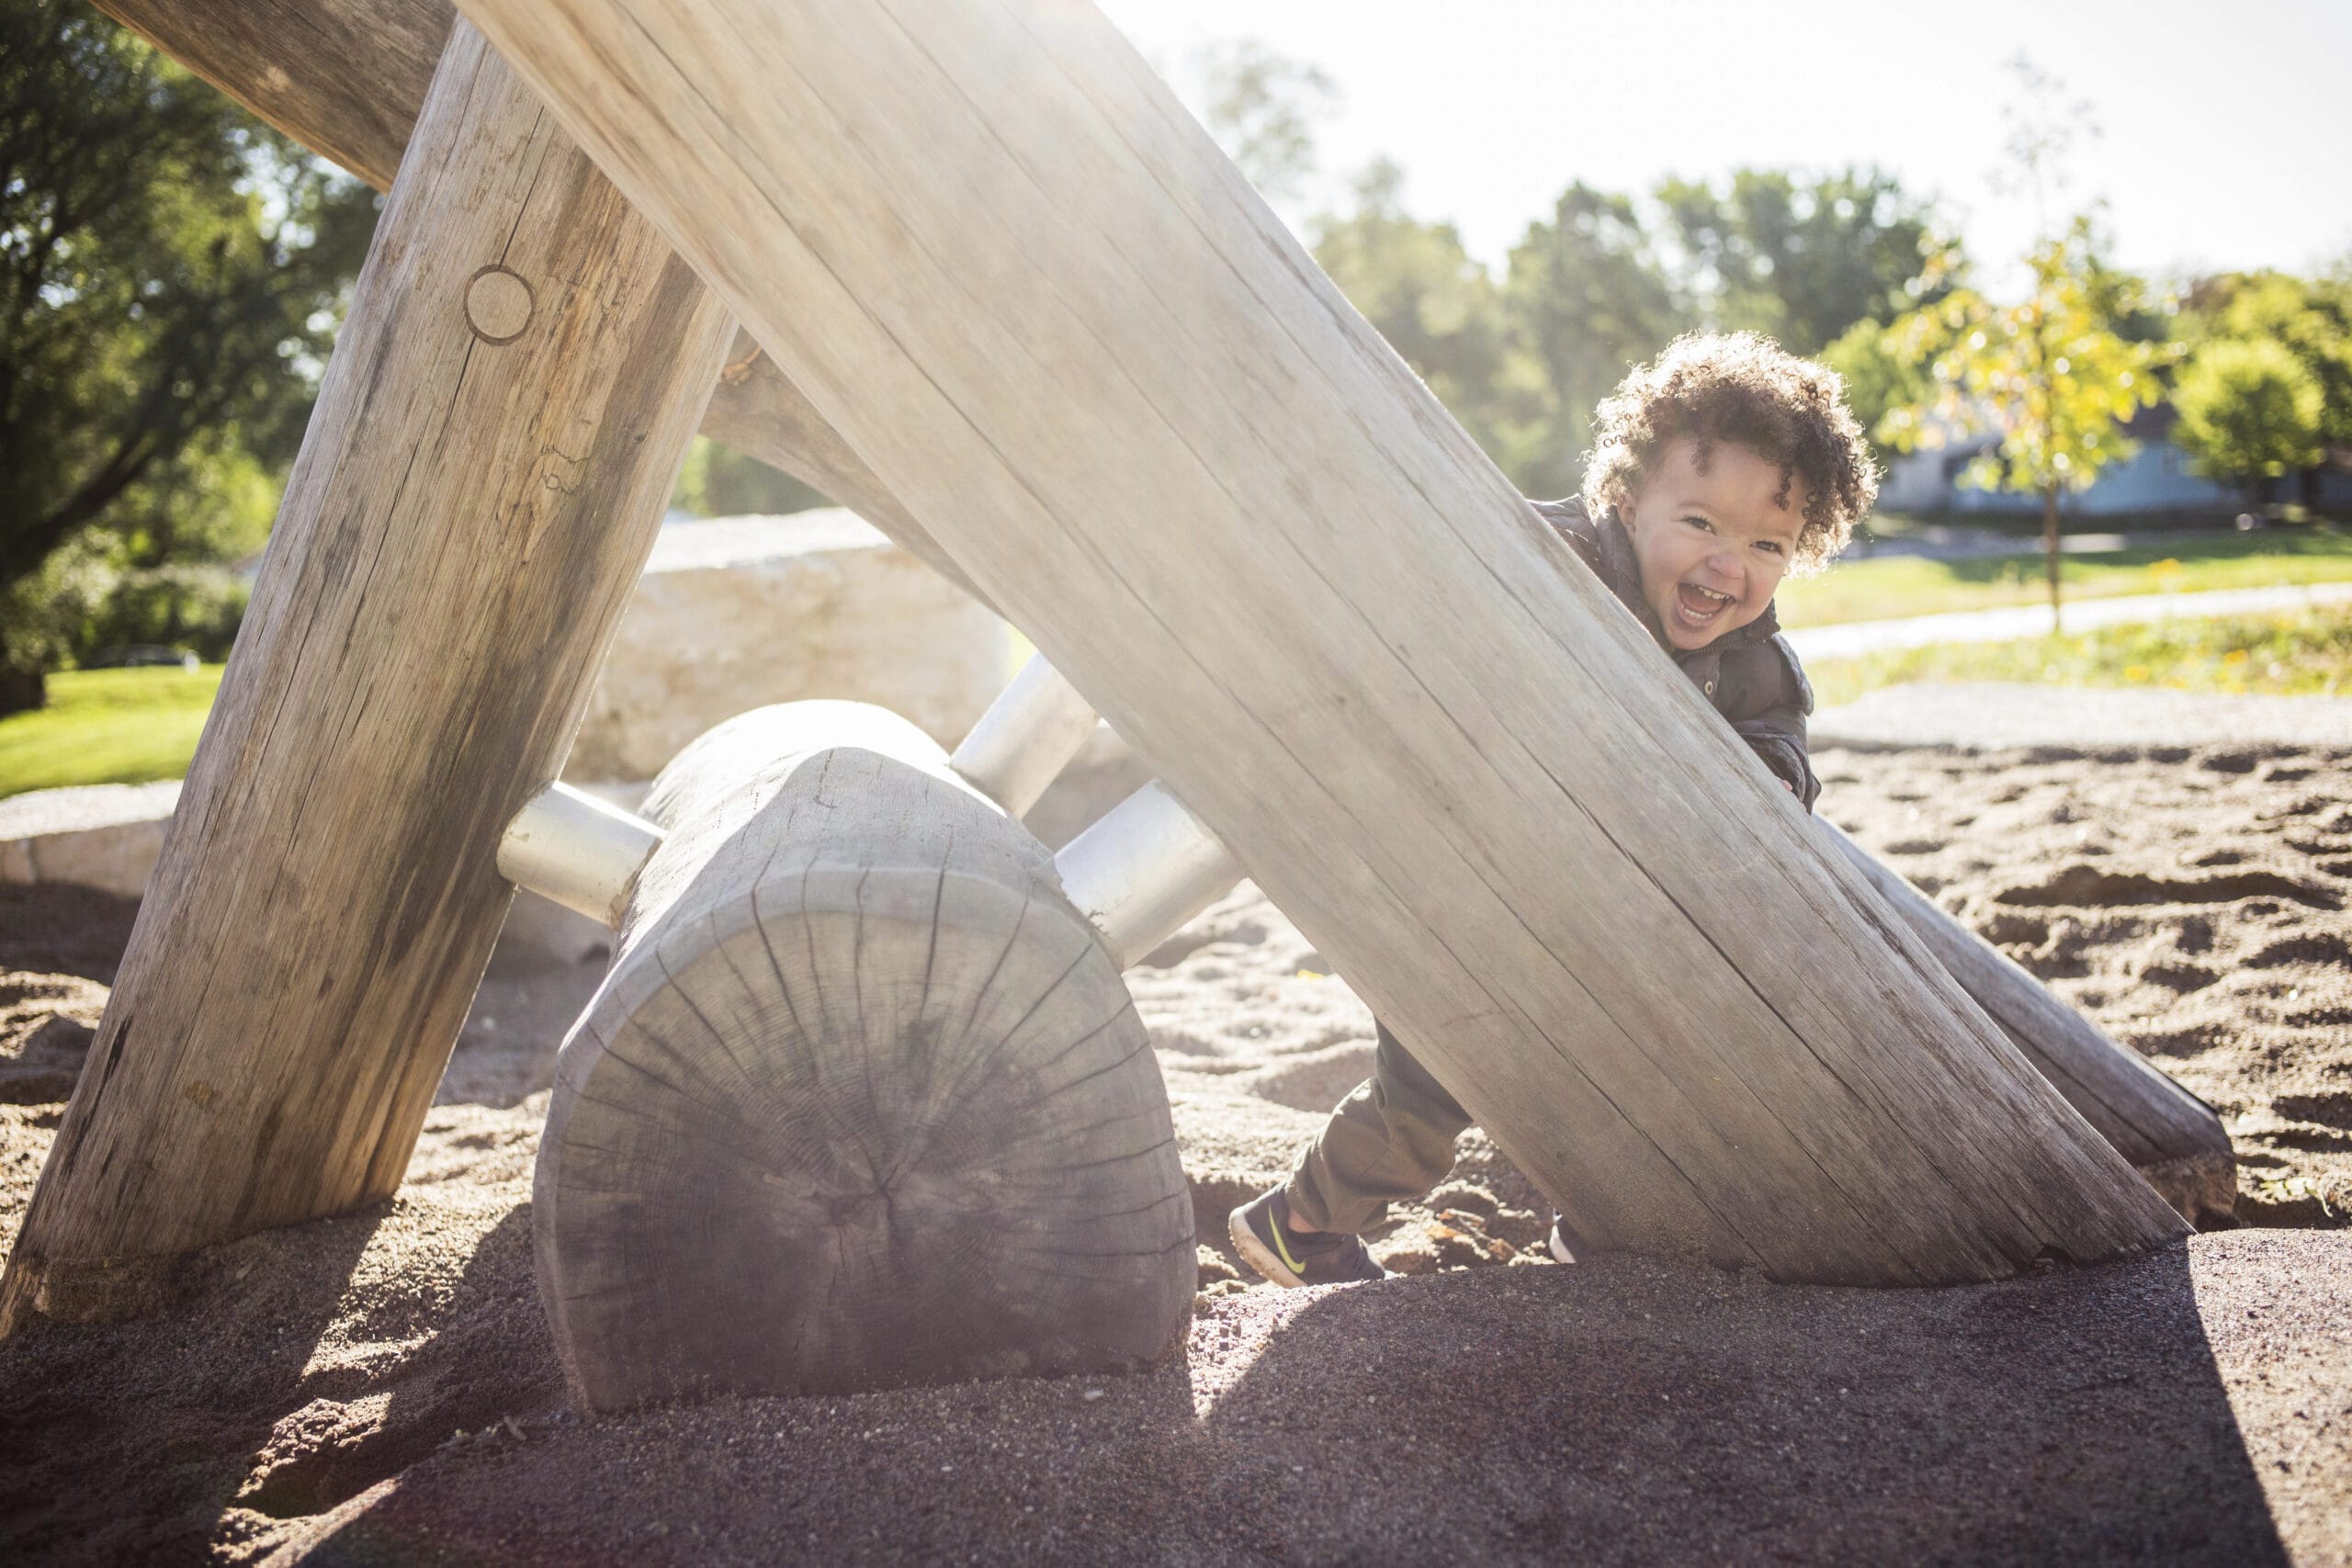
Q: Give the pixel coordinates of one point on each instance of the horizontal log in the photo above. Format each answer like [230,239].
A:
[862,1102]
[1006,264]
[347,78]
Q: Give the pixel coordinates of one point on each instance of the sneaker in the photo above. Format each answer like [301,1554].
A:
[1261,1234]
[1562,1248]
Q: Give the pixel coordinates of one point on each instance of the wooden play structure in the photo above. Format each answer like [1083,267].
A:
[864,1099]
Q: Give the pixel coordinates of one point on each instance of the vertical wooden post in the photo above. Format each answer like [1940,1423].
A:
[504,414]
[347,77]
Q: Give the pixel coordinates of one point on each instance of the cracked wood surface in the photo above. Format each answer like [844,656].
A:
[346,79]
[1003,261]
[863,1102]
[462,528]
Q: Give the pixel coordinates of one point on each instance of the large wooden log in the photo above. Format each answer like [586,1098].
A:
[863,1102]
[346,79]
[1004,263]
[2171,1137]
[524,364]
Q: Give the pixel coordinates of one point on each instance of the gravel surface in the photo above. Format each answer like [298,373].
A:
[381,1388]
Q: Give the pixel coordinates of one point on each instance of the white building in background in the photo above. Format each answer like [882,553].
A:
[2159,477]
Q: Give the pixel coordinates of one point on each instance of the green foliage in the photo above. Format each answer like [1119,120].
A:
[2049,375]
[1261,107]
[2310,318]
[1433,303]
[1877,380]
[2248,409]
[1586,299]
[1801,260]
[2304,655]
[107,726]
[171,275]
[719,482]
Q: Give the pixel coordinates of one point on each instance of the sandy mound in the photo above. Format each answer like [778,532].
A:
[381,1388]
[2190,902]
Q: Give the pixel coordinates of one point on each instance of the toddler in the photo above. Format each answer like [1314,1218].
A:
[1714,472]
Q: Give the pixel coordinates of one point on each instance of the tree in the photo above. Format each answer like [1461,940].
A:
[1800,259]
[1585,299]
[1261,108]
[2050,376]
[171,275]
[1429,298]
[2249,411]
[2310,319]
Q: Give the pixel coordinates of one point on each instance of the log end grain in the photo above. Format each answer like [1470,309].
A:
[877,1115]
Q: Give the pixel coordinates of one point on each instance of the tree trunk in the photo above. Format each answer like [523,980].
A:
[2050,550]
[21,691]
[347,77]
[1011,270]
[2171,1137]
[484,472]
[863,1102]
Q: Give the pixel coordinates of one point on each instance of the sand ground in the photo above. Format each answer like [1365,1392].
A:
[380,1388]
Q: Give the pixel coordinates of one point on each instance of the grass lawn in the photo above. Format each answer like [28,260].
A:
[107,726]
[2303,655]
[1887,587]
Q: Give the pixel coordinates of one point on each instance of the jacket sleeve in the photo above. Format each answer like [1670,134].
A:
[1776,733]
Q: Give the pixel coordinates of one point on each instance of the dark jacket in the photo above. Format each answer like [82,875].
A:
[1750,673]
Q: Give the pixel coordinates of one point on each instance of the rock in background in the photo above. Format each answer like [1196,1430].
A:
[736,612]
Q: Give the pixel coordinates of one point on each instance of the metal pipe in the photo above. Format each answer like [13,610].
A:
[1028,735]
[578,851]
[1145,869]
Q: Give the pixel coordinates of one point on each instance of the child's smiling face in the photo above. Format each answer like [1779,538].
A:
[1712,542]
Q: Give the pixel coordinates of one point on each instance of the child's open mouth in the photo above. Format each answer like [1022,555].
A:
[1700,607]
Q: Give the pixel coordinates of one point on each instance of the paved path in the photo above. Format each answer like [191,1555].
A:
[1992,716]
[2034,620]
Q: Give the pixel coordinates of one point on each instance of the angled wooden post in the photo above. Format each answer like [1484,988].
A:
[347,77]
[1008,267]
[499,429]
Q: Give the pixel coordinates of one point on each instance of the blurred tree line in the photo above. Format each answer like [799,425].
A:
[172,273]
[170,276]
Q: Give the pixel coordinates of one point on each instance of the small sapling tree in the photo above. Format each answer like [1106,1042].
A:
[2050,376]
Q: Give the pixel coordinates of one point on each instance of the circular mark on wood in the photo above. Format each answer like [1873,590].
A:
[498,304]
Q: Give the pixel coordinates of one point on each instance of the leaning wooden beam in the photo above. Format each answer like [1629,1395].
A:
[346,79]
[500,426]
[1011,270]
[2171,1137]
[862,1102]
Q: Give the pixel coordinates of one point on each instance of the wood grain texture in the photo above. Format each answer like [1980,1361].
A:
[862,1102]
[1003,261]
[347,78]
[457,538]
[2174,1139]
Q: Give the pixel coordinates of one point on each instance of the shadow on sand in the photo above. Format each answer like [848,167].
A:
[1622,1411]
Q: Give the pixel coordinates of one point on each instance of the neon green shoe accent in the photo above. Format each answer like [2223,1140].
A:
[1275,1225]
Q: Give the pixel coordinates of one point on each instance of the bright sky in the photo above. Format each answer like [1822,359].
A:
[2227,128]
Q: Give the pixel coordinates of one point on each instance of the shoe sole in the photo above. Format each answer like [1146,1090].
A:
[1258,1254]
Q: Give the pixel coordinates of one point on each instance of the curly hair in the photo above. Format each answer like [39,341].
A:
[1742,387]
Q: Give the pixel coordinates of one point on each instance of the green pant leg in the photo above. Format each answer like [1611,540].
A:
[1391,1138]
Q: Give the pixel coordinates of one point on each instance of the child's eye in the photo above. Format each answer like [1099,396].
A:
[1700,523]
[1772,545]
